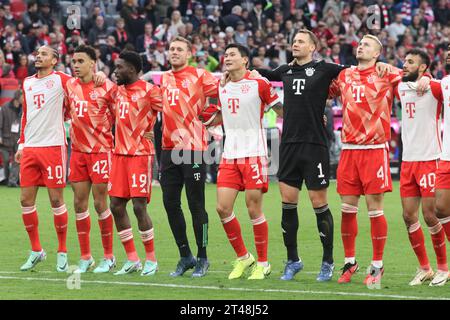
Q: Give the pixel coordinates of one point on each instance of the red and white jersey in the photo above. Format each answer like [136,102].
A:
[43,111]
[445,86]
[421,125]
[366,106]
[136,106]
[91,128]
[243,105]
[184,97]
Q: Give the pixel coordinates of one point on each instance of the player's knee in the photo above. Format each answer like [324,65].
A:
[115,207]
[139,209]
[223,210]
[409,218]
[56,202]
[25,202]
[440,210]
[80,205]
[100,205]
[429,216]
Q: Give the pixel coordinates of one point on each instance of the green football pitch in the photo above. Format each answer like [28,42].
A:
[46,283]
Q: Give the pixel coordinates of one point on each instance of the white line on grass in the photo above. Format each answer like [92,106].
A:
[167,285]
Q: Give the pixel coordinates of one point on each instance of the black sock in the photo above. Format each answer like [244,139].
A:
[289,226]
[172,204]
[325,226]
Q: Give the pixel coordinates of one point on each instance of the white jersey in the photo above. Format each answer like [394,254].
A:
[43,111]
[421,122]
[243,104]
[445,86]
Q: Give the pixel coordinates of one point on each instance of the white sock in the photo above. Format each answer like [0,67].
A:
[351,260]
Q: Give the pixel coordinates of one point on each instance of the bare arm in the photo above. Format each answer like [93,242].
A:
[278,108]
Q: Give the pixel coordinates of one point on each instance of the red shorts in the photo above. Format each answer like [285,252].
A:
[131,177]
[43,166]
[364,172]
[418,178]
[92,167]
[243,174]
[443,175]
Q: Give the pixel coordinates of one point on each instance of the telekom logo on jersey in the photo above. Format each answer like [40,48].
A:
[123,109]
[411,109]
[233,104]
[174,95]
[38,100]
[81,108]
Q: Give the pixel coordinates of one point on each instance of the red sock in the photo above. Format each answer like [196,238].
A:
[31,222]
[438,239]
[378,229]
[417,241]
[60,219]
[126,236]
[106,223]
[446,225]
[261,232]
[83,222]
[349,229]
[233,231]
[147,240]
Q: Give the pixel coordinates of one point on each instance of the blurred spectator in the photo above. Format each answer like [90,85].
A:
[9,135]
[442,12]
[204,61]
[241,35]
[175,23]
[120,34]
[145,40]
[397,28]
[23,69]
[257,16]
[73,41]
[233,18]
[197,17]
[99,32]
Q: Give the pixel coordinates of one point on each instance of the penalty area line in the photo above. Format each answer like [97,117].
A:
[179,286]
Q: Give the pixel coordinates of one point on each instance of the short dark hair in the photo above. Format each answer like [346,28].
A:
[244,51]
[132,58]
[311,35]
[90,51]
[422,54]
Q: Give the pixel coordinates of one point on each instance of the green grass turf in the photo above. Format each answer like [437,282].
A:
[46,283]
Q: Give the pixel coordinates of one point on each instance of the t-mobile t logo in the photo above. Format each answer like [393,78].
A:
[411,109]
[123,109]
[358,93]
[298,85]
[174,95]
[233,104]
[38,100]
[197,176]
[81,108]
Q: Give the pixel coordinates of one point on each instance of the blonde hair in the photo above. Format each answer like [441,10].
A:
[181,39]
[374,38]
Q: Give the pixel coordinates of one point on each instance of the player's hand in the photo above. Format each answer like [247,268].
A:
[325,120]
[423,85]
[99,78]
[150,135]
[225,78]
[18,156]
[255,74]
[383,69]
[1,140]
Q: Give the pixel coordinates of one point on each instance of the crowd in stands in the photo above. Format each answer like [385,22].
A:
[266,27]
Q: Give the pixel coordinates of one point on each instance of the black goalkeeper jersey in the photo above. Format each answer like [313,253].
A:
[305,91]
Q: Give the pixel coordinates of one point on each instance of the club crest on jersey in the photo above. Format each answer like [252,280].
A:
[185,83]
[93,95]
[134,98]
[245,88]
[371,78]
[49,84]
[310,71]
